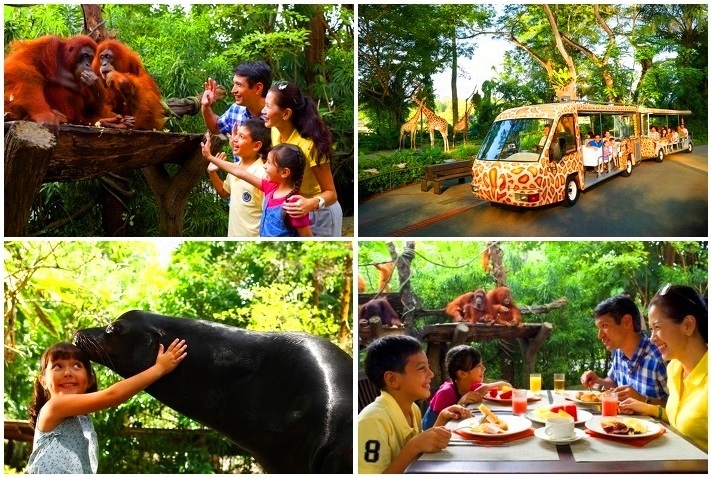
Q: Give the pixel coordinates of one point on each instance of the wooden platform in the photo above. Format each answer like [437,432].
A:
[35,154]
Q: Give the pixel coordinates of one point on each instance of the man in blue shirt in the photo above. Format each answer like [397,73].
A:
[251,81]
[637,370]
[597,142]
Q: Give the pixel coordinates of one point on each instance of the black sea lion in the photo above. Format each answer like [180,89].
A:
[285,397]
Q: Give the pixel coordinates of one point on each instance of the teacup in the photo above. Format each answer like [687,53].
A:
[560,428]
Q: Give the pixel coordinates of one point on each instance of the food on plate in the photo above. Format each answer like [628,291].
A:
[492,418]
[488,428]
[624,426]
[589,397]
[503,394]
[565,410]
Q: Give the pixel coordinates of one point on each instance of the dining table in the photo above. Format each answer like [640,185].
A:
[666,451]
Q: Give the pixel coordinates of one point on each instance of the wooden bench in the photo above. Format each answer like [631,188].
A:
[442,172]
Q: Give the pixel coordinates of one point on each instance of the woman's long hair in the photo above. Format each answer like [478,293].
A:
[58,351]
[306,119]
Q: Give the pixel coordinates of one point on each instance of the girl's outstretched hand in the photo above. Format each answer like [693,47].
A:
[170,359]
[205,147]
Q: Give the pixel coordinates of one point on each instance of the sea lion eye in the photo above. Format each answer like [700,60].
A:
[114,328]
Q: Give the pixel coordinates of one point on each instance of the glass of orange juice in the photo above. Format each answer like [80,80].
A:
[535,383]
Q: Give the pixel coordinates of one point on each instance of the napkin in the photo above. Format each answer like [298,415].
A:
[495,439]
[638,442]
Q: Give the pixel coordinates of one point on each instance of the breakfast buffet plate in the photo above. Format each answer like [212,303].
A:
[515,425]
[643,428]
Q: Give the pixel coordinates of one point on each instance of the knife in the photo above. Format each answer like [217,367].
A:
[475,443]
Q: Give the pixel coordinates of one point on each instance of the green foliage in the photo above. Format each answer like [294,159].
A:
[53,288]
[670,40]
[585,273]
[181,46]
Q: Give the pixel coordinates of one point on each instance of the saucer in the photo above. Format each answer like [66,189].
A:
[541,433]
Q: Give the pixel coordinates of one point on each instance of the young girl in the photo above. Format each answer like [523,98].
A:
[294,119]
[65,392]
[466,371]
[285,171]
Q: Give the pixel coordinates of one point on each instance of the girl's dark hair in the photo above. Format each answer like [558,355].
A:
[461,357]
[678,301]
[259,132]
[58,351]
[306,119]
[290,156]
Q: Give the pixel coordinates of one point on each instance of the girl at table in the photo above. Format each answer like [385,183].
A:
[294,119]
[65,392]
[678,319]
[466,385]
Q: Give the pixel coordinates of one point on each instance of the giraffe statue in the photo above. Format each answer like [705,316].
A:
[434,122]
[410,127]
[462,125]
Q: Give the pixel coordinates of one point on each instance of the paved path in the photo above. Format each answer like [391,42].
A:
[668,199]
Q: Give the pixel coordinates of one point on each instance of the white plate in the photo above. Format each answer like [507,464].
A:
[515,424]
[571,396]
[583,416]
[577,435]
[595,424]
[507,401]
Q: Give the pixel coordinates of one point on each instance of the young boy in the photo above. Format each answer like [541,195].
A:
[389,432]
[251,142]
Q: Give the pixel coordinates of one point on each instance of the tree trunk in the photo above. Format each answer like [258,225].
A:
[316,51]
[570,88]
[346,315]
[455,95]
[94,25]
[28,150]
[403,263]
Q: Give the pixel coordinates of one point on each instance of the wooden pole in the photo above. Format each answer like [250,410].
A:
[28,149]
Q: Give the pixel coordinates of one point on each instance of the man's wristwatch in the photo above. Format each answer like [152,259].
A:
[321,202]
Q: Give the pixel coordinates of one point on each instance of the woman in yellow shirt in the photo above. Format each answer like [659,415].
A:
[294,119]
[678,319]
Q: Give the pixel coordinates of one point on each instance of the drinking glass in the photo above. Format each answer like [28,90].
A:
[609,404]
[559,382]
[519,401]
[535,382]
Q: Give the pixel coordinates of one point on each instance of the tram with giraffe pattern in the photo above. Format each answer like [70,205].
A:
[544,154]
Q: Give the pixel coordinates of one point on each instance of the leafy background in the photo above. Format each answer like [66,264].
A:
[540,272]
[181,48]
[54,288]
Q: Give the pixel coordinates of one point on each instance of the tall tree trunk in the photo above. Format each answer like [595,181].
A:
[346,315]
[570,87]
[316,50]
[455,95]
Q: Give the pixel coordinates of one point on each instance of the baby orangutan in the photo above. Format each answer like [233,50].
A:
[502,308]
